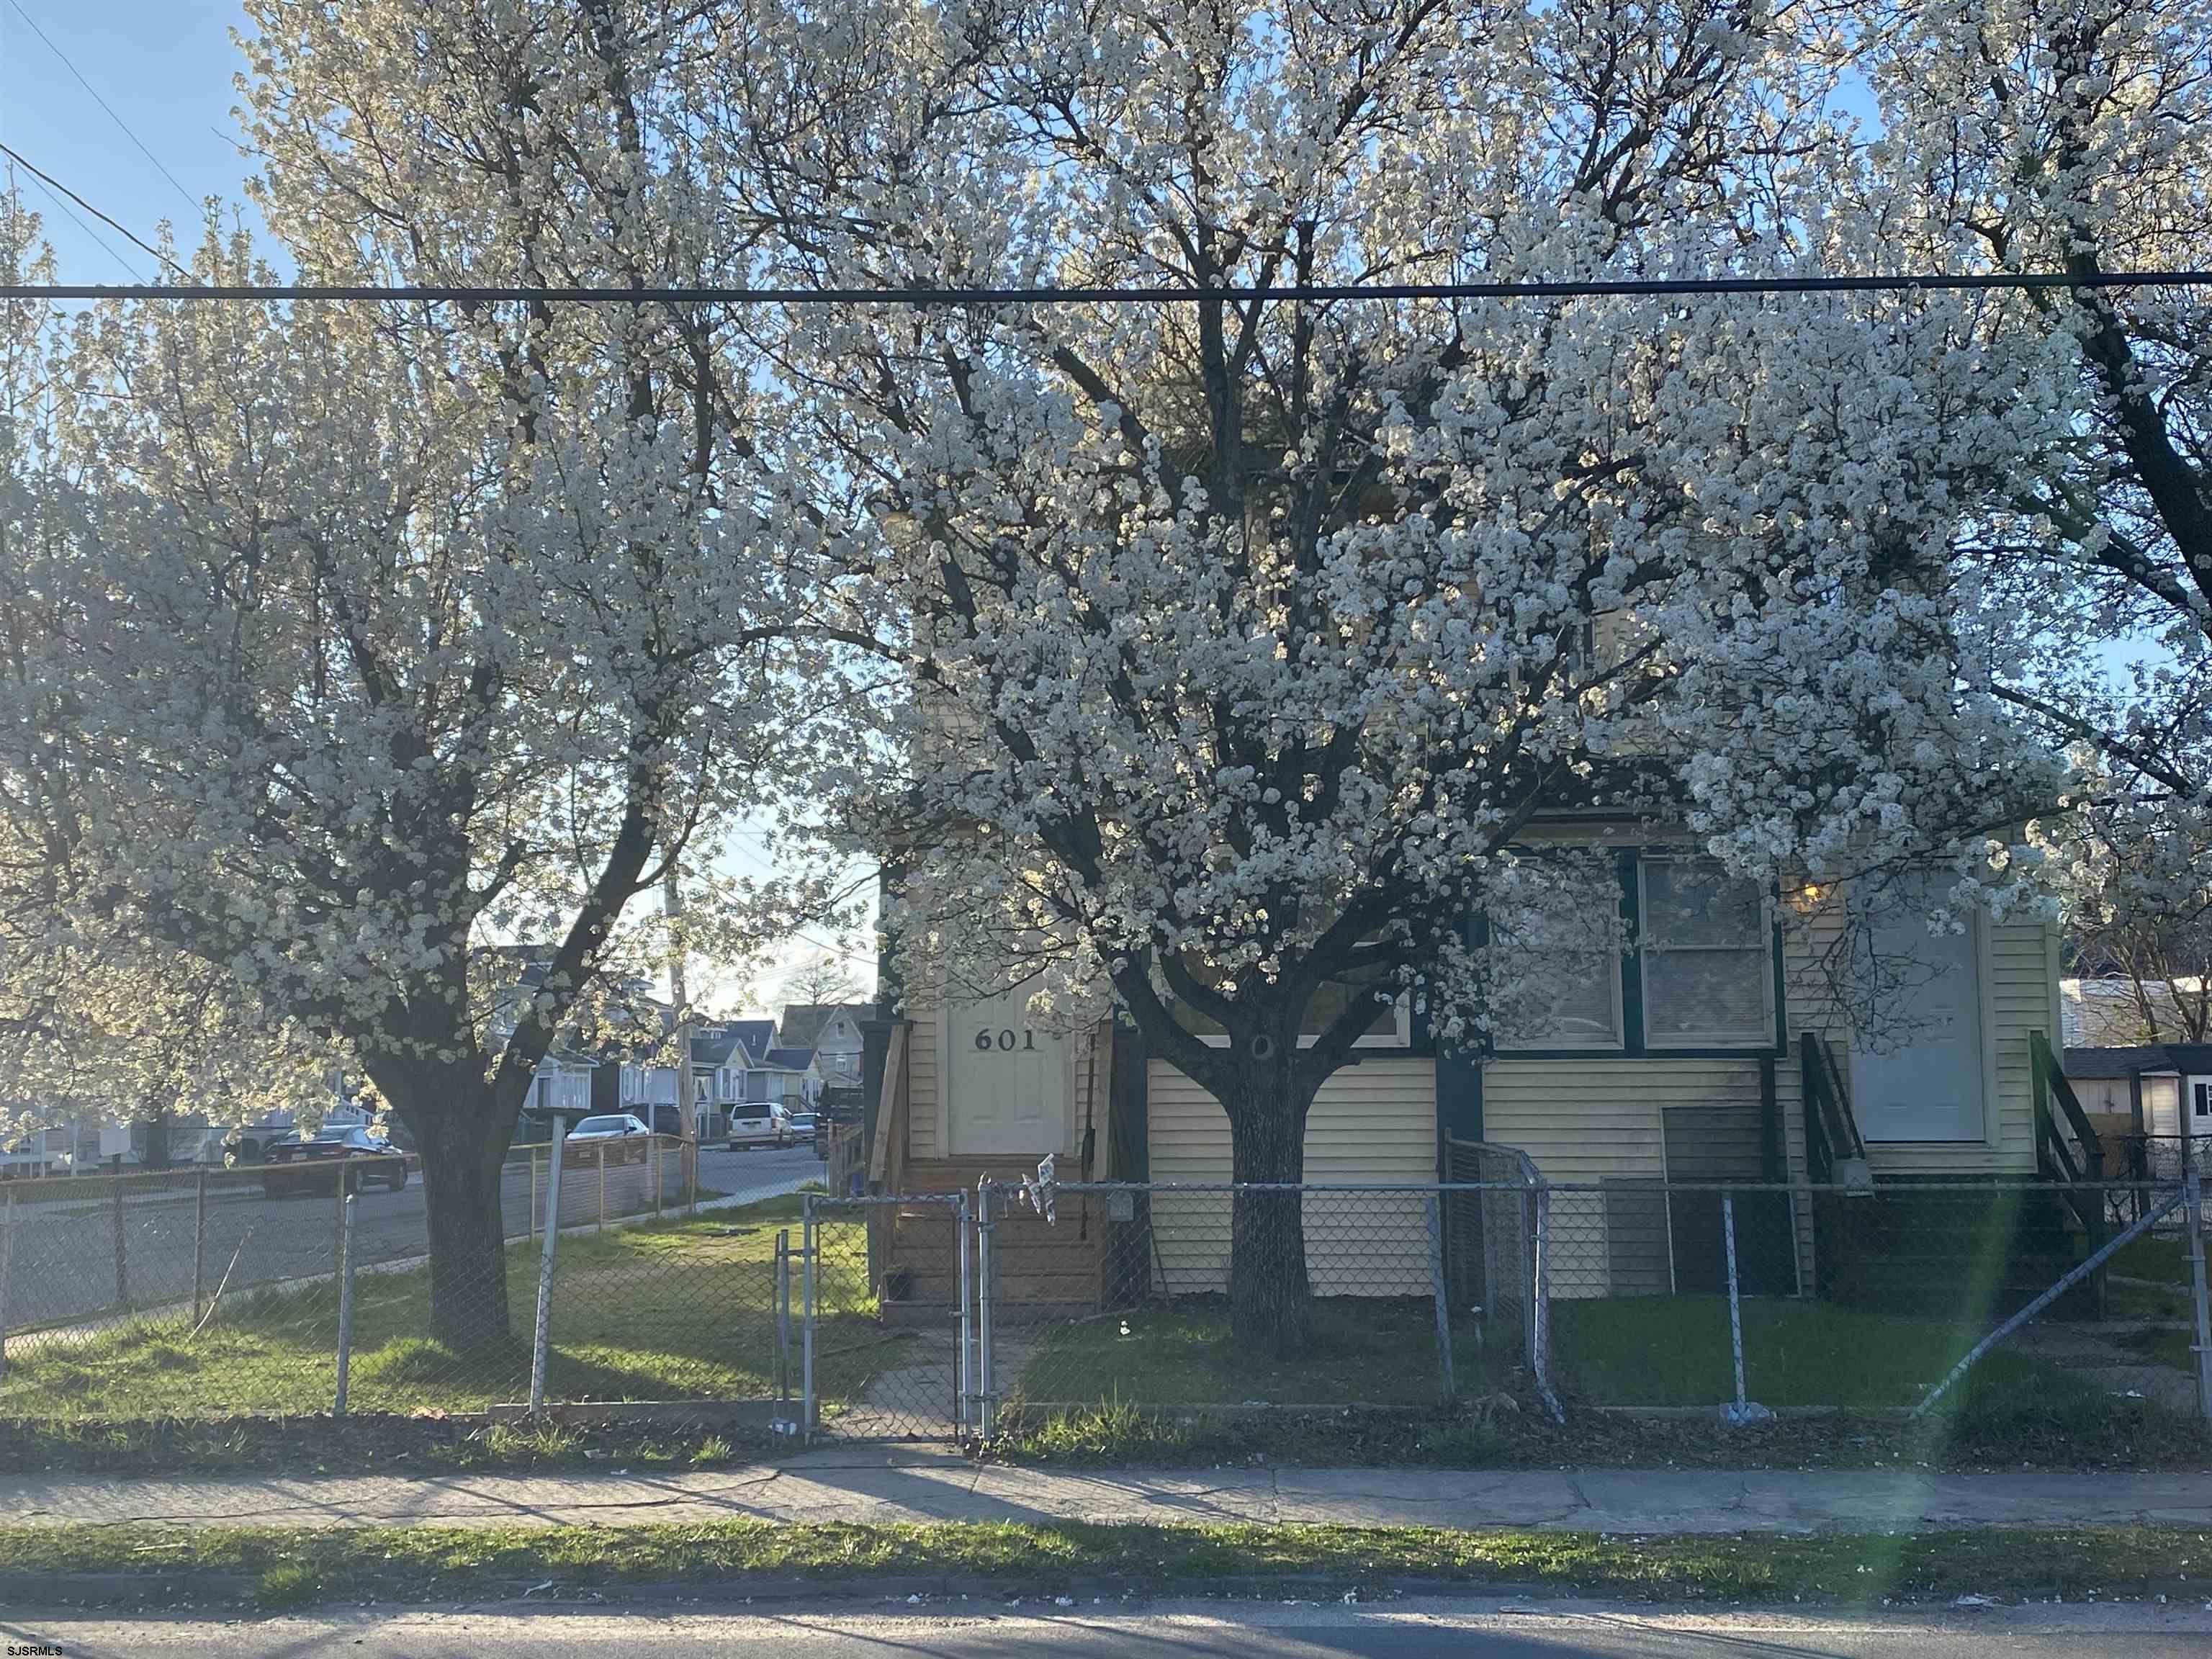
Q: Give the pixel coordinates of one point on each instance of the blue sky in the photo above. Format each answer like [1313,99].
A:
[165,67]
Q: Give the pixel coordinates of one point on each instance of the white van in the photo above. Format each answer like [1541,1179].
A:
[758,1123]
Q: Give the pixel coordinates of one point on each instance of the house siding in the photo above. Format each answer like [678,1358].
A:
[1375,1120]
[922,1072]
[1602,1121]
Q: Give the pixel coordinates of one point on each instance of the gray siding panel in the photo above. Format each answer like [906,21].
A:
[1637,1257]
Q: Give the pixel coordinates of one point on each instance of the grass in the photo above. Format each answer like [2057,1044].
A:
[1378,1351]
[679,1309]
[292,1567]
[1617,1350]
[1675,1351]
[2147,1257]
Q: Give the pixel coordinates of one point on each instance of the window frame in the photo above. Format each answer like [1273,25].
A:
[1645,948]
[1635,1044]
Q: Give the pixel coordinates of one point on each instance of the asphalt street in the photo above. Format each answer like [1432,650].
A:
[66,1261]
[1188,1630]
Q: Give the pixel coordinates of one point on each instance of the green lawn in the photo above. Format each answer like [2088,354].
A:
[290,1567]
[2166,1260]
[681,1309]
[1367,1350]
[1675,1350]
[1615,1351]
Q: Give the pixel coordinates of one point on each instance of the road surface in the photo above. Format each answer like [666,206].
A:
[1188,1630]
[65,1262]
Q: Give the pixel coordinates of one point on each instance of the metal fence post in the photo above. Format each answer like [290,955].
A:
[653,1152]
[199,1244]
[1436,1283]
[691,1160]
[1539,1312]
[530,1222]
[122,1250]
[986,1392]
[542,1329]
[345,1300]
[967,1401]
[338,1221]
[2192,1186]
[1735,1307]
[6,1272]
[783,1316]
[603,1186]
[810,1246]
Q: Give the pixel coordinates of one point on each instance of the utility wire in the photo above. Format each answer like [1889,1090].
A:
[57,288]
[105,246]
[197,208]
[475,294]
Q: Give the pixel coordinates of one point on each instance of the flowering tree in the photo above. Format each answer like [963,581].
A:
[1248,637]
[2078,139]
[398,632]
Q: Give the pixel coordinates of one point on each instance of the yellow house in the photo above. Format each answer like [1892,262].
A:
[1714,1049]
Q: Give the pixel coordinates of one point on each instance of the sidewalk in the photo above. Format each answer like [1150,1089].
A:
[871,1486]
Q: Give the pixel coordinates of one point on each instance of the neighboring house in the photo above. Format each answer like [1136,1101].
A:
[832,1030]
[2158,1094]
[793,1079]
[2109,1013]
[1687,1058]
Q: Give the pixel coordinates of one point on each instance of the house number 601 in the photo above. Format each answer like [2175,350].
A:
[1004,1041]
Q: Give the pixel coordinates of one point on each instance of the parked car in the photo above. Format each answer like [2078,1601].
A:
[361,1156]
[758,1123]
[802,1128]
[623,1134]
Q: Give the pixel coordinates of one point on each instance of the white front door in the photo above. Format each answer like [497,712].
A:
[1006,1080]
[1921,1080]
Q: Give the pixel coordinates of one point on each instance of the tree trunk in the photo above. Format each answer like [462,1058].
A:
[461,1140]
[1270,1295]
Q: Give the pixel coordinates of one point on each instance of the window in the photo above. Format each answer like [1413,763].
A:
[1556,960]
[2201,1099]
[1708,956]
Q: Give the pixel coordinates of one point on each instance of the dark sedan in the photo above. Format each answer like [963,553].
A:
[315,1164]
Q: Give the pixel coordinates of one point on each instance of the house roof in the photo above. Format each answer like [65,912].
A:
[2134,1062]
[791,1059]
[713,1050]
[758,1036]
[803,1021]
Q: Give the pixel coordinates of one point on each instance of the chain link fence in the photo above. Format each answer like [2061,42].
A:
[293,1288]
[209,1294]
[1635,1295]
[888,1331]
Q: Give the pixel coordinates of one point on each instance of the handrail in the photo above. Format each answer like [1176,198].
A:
[2051,1084]
[1832,1135]
[2055,1156]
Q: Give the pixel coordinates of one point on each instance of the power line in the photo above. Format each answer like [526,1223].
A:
[1567,289]
[48,179]
[16,6]
[50,195]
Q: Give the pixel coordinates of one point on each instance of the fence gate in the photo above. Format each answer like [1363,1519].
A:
[885,1332]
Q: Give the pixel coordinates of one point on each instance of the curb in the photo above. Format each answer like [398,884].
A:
[20,1591]
[34,1588]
